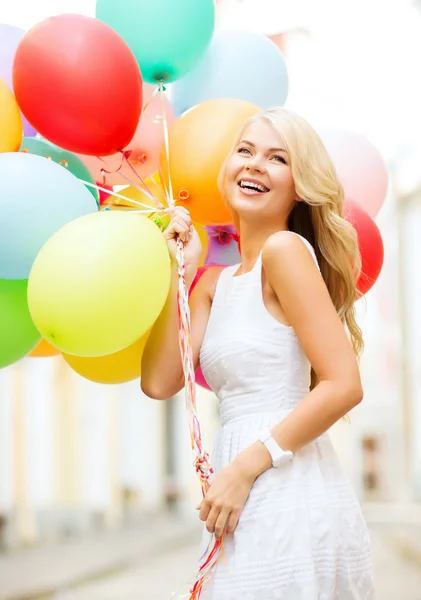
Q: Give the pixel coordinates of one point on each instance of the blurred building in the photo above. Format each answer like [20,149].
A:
[77,456]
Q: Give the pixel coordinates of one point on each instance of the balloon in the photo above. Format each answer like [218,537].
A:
[66,159]
[223,246]
[200,379]
[360,168]
[167,37]
[200,141]
[103,196]
[10,37]
[145,145]
[99,283]
[10,121]
[119,367]
[43,350]
[232,68]
[136,197]
[154,184]
[38,197]
[370,243]
[79,84]
[18,335]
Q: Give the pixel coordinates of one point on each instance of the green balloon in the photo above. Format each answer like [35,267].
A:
[167,37]
[42,147]
[18,335]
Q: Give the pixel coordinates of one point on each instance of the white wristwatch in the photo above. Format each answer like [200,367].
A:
[279,456]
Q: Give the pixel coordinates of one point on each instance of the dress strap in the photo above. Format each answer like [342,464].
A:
[223,283]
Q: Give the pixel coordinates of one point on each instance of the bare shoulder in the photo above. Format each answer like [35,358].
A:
[285,251]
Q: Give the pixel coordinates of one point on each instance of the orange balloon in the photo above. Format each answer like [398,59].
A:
[200,141]
[43,350]
[11,129]
[133,195]
[118,367]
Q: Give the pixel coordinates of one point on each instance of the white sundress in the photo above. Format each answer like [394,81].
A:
[302,535]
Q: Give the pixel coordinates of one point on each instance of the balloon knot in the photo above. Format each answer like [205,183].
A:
[183,195]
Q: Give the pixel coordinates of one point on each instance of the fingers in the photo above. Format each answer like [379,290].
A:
[180,224]
[216,517]
[221,523]
[212,519]
[233,521]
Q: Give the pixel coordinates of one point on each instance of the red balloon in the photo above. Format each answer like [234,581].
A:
[370,243]
[78,83]
[104,195]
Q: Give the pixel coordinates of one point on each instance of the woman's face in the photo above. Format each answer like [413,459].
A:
[259,180]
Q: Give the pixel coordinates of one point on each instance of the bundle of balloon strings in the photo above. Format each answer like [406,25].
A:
[202,464]
[201,457]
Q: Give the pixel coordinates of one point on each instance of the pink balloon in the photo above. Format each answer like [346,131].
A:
[359,166]
[200,380]
[145,145]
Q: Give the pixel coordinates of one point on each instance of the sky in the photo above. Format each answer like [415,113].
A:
[354,68]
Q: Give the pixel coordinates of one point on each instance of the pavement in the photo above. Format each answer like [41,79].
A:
[151,559]
[44,571]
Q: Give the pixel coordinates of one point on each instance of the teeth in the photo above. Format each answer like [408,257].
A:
[253,186]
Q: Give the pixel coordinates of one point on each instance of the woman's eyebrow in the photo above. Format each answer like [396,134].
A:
[269,150]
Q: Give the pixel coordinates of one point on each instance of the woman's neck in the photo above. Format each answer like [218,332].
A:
[252,240]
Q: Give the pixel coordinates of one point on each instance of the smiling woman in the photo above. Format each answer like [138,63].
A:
[270,339]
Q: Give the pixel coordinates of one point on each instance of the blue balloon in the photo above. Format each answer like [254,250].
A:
[238,64]
[37,197]
[167,37]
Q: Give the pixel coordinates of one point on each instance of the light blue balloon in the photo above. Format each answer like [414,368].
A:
[167,37]
[37,197]
[238,64]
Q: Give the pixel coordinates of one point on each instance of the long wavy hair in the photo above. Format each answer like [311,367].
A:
[318,217]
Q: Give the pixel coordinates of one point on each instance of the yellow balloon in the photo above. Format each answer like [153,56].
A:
[154,183]
[119,367]
[11,129]
[99,283]
[204,238]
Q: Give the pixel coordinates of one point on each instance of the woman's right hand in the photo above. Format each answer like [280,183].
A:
[181,226]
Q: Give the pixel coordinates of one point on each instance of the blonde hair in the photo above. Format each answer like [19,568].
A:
[318,217]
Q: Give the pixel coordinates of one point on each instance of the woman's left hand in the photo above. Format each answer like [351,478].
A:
[223,504]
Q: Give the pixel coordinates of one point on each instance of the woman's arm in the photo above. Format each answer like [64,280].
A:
[162,369]
[305,300]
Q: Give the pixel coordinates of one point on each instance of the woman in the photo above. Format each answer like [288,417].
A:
[269,335]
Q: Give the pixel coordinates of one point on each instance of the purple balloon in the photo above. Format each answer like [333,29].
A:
[223,248]
[10,37]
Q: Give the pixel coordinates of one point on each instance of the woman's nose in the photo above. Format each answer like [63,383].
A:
[255,164]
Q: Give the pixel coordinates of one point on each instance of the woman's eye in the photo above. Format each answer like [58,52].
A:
[243,151]
[280,159]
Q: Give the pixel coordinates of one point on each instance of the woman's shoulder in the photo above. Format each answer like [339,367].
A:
[209,280]
[288,247]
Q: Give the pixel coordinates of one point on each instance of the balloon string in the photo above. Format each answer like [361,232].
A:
[112,193]
[202,462]
[118,171]
[145,185]
[167,145]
